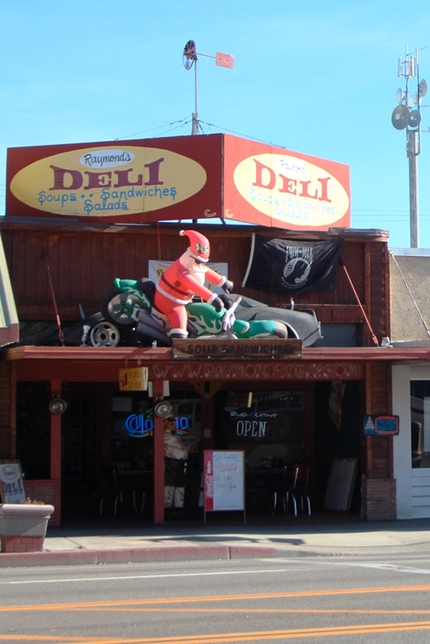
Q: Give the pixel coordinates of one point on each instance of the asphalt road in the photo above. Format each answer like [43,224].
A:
[310,598]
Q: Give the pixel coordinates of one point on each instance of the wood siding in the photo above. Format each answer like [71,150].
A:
[83,260]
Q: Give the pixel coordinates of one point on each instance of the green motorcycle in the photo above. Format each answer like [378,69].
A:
[129,304]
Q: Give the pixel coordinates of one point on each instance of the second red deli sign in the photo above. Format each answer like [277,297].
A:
[215,176]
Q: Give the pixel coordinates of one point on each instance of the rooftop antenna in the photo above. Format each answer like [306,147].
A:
[189,58]
[407,116]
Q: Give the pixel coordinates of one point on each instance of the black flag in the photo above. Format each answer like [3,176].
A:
[284,266]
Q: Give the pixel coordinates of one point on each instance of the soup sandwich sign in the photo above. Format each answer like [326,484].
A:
[205,177]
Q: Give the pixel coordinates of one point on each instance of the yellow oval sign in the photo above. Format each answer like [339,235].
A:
[291,190]
[108,182]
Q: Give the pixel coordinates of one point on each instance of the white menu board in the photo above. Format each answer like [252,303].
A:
[224,474]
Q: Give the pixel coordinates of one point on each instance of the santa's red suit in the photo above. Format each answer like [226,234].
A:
[185,278]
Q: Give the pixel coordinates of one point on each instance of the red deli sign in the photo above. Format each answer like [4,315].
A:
[188,177]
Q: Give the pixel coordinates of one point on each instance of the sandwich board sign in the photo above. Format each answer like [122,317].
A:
[224,476]
[11,483]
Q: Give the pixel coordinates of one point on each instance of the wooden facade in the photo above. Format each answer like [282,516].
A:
[83,260]
[57,266]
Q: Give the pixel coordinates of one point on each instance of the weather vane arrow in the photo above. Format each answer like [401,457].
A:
[189,57]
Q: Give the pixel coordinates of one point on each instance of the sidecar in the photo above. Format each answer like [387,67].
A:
[302,325]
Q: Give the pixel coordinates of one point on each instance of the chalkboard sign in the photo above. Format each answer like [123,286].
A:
[224,477]
[11,483]
[341,484]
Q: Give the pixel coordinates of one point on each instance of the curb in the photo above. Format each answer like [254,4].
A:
[134,555]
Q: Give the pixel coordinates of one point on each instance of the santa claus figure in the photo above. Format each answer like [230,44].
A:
[184,279]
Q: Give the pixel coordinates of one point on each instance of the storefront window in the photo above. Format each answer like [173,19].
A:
[132,442]
[33,429]
[268,425]
[133,425]
[420,423]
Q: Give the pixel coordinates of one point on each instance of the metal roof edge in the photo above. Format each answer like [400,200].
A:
[310,354]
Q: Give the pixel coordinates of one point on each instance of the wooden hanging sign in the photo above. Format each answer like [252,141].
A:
[266,348]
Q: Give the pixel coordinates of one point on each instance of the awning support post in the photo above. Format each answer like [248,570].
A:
[158,456]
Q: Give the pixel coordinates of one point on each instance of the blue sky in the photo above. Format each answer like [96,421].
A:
[317,77]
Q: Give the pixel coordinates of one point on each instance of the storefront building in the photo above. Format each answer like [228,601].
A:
[409,279]
[411,391]
[301,399]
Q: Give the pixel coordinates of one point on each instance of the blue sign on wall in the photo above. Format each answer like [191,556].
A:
[381,425]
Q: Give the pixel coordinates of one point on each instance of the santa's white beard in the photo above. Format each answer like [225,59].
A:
[198,271]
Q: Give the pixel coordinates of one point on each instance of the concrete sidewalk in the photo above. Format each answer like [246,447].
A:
[123,543]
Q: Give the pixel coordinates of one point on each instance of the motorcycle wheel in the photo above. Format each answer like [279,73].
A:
[112,305]
[104,334]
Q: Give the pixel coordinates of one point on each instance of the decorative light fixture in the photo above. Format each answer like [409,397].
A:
[57,405]
[163,409]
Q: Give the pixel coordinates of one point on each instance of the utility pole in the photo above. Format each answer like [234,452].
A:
[407,116]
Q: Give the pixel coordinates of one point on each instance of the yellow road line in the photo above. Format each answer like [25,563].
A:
[216,598]
[270,611]
[227,638]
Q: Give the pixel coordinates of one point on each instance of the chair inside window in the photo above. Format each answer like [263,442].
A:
[301,480]
[283,490]
[111,490]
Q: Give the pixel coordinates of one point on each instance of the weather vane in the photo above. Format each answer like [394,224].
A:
[407,116]
[189,58]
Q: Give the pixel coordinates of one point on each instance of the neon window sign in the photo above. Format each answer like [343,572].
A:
[142,425]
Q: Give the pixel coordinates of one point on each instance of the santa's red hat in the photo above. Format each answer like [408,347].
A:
[199,245]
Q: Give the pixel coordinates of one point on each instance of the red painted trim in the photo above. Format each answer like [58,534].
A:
[158,458]
[118,354]
[55,464]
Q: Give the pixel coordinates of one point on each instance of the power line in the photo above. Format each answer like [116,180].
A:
[183,121]
[385,210]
